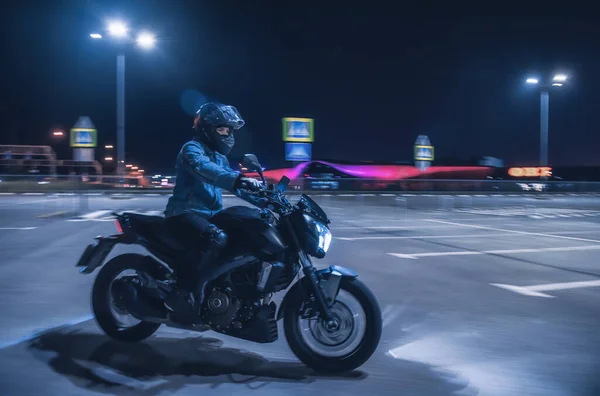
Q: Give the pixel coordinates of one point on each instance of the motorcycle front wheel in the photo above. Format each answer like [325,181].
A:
[342,344]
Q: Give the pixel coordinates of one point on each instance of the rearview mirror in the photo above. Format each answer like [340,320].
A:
[283,183]
[251,162]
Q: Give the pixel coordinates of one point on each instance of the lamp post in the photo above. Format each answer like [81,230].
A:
[557,81]
[120,31]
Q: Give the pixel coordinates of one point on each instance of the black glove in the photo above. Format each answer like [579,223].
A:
[247,183]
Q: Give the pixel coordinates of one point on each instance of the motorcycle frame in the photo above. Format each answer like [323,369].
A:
[324,284]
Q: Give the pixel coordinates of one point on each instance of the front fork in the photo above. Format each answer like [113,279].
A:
[325,295]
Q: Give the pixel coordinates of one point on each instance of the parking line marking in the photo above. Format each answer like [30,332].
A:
[535,290]
[414,256]
[521,290]
[373,227]
[480,235]
[54,214]
[96,214]
[514,231]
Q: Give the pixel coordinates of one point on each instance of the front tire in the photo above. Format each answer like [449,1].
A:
[102,300]
[336,349]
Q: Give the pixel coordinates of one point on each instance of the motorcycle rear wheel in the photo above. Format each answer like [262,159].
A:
[325,347]
[101,300]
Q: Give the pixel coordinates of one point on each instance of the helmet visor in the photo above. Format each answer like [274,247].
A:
[231,117]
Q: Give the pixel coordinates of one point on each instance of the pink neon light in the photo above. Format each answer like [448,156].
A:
[376,172]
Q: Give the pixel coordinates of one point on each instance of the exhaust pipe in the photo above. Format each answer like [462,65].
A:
[129,295]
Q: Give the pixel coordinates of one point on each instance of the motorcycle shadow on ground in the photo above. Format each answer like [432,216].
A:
[93,361]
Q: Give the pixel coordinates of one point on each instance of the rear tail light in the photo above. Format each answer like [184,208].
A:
[118,225]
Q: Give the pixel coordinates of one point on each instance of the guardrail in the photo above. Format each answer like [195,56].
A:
[112,184]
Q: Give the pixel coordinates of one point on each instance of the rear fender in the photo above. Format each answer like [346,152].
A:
[330,279]
[95,254]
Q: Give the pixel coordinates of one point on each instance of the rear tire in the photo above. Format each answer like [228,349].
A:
[296,332]
[101,300]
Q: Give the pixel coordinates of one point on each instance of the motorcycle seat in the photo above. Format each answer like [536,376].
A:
[153,228]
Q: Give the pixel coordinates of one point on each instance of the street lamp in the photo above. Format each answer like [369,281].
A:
[119,30]
[557,81]
[146,40]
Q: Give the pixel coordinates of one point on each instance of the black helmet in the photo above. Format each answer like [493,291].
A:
[210,117]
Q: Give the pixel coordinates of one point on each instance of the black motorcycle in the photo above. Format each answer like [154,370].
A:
[332,321]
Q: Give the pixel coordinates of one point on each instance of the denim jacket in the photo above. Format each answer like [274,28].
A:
[202,174]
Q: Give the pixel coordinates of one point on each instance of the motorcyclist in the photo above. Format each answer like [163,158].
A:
[203,171]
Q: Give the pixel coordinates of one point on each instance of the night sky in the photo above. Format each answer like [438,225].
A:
[372,76]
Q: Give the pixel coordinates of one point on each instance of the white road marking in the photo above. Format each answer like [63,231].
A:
[514,231]
[36,194]
[354,227]
[18,228]
[480,235]
[415,256]
[521,290]
[535,290]
[96,214]
[8,193]
[24,203]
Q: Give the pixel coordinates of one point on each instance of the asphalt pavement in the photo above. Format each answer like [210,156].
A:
[480,296]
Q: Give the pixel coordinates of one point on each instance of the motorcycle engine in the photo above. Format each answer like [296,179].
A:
[222,308]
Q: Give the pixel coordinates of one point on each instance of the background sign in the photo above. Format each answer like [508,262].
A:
[298,130]
[423,153]
[530,172]
[83,133]
[83,137]
[298,151]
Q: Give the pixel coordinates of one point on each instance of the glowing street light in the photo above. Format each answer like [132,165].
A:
[58,133]
[108,159]
[545,86]
[108,146]
[560,78]
[117,29]
[146,40]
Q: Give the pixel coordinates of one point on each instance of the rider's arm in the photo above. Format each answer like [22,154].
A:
[243,194]
[196,161]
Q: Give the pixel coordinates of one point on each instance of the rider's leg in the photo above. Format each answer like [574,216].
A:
[208,242]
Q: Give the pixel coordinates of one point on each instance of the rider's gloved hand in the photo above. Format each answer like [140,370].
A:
[247,183]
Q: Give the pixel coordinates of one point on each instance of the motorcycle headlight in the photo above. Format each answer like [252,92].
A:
[324,236]
[317,238]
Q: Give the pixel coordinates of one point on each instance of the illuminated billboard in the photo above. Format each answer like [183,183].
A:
[424,153]
[298,130]
[535,171]
[83,137]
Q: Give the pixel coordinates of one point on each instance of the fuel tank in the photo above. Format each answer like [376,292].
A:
[249,230]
